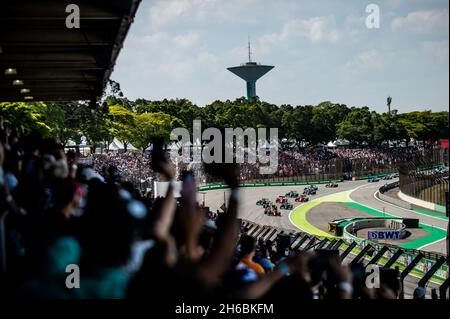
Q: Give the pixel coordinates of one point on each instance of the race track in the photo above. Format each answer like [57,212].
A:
[250,211]
[357,196]
[436,225]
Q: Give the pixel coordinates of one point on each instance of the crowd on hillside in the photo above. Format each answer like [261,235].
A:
[379,157]
[135,166]
[131,166]
[59,211]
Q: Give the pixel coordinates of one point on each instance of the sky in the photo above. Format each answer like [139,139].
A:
[322,50]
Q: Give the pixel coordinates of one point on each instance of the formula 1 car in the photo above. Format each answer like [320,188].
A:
[292,194]
[331,185]
[286,206]
[312,187]
[267,204]
[280,199]
[272,211]
[262,201]
[309,191]
[373,179]
[302,199]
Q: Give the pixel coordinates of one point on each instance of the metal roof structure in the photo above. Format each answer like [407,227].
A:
[42,59]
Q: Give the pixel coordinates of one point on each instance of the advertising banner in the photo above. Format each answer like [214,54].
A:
[264,184]
[384,235]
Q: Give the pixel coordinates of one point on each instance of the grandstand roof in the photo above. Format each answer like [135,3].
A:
[54,62]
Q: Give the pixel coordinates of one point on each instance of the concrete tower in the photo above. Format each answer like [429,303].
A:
[250,72]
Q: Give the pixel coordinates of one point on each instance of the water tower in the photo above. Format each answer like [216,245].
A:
[250,72]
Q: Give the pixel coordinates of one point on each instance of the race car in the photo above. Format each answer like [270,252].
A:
[292,194]
[373,179]
[302,199]
[312,187]
[331,185]
[280,199]
[387,177]
[309,191]
[272,211]
[262,201]
[267,204]
[286,206]
[384,188]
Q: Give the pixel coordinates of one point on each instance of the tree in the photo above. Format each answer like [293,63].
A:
[65,120]
[182,109]
[299,125]
[357,126]
[121,122]
[388,127]
[439,125]
[95,127]
[140,120]
[152,125]
[326,117]
[416,124]
[29,115]
[426,126]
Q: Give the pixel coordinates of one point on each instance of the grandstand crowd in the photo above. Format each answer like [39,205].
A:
[59,210]
[135,166]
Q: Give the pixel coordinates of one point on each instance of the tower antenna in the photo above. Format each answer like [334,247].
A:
[249,51]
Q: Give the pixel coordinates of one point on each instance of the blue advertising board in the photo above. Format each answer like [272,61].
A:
[384,234]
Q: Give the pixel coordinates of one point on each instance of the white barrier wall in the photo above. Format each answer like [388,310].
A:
[160,189]
[416,201]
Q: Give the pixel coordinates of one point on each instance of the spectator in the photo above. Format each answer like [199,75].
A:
[247,252]
[62,210]
[419,293]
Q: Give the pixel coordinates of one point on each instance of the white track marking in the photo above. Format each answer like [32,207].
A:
[432,226]
[394,205]
[434,242]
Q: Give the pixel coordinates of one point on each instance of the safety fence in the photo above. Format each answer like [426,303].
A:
[425,183]
[335,168]
[286,182]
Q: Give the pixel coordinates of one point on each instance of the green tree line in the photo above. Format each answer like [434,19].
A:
[138,122]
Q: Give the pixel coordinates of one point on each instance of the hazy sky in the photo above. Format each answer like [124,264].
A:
[321,50]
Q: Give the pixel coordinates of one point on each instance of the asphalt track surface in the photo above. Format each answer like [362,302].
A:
[366,195]
[249,196]
[320,216]
[350,193]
